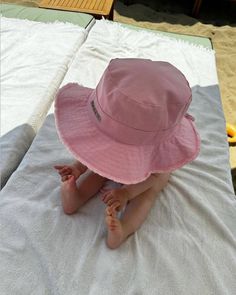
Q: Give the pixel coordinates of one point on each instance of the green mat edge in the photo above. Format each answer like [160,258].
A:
[45,15]
[196,40]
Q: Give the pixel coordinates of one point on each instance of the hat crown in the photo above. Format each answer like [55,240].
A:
[101,128]
[143,94]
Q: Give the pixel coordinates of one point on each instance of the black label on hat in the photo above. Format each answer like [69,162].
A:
[95,111]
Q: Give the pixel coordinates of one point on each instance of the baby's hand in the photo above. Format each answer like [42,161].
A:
[116,199]
[65,171]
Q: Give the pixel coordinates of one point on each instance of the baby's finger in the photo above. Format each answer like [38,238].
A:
[64,178]
[108,200]
[65,171]
[106,197]
[103,195]
[60,168]
[104,190]
[65,168]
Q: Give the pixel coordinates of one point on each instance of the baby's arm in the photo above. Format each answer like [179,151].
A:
[82,168]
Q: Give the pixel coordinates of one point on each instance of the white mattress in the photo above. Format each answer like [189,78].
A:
[187,245]
[34,59]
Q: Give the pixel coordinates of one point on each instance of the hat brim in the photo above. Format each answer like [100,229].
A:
[122,163]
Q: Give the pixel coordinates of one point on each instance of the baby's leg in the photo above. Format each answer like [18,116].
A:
[134,215]
[74,197]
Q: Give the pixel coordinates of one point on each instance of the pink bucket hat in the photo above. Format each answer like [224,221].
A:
[133,124]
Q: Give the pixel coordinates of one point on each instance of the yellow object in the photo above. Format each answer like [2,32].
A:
[231,132]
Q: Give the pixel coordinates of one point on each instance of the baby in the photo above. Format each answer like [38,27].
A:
[132,129]
[140,198]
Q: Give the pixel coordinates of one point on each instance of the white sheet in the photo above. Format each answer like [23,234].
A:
[106,41]
[34,59]
[187,245]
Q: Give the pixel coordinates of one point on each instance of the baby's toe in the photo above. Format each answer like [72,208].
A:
[108,220]
[109,211]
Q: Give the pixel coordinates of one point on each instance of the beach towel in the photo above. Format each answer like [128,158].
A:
[34,59]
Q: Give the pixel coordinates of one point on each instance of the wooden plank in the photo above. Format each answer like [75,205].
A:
[97,7]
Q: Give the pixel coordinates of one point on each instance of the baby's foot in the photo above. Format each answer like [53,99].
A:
[70,198]
[115,229]
[65,171]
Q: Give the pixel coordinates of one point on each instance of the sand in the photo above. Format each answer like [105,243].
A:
[223,40]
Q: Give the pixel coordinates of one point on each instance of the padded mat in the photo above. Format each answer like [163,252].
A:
[45,15]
